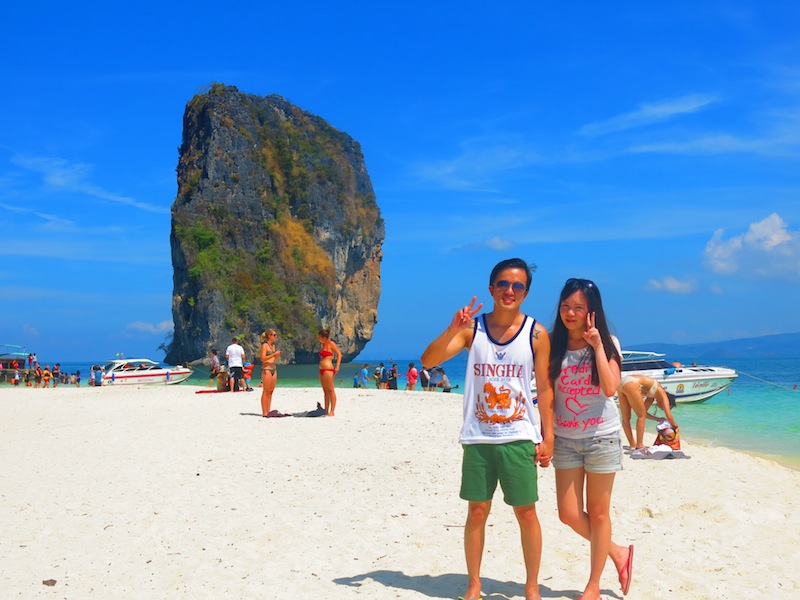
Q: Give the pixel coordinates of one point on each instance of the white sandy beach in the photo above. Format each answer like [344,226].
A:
[158,492]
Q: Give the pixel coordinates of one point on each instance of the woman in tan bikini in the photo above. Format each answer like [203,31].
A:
[269,369]
[327,370]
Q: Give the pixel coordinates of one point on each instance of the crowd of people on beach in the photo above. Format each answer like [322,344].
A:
[29,372]
[238,375]
[386,378]
[37,376]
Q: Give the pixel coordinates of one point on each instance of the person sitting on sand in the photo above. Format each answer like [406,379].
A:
[637,393]
[215,368]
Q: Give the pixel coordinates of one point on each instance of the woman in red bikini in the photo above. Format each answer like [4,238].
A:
[327,370]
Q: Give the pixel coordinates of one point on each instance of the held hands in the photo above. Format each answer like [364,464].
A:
[463,317]
[544,454]
[592,335]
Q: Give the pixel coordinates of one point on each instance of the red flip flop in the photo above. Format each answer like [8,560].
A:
[627,568]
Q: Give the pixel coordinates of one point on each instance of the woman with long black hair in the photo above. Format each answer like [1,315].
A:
[585,364]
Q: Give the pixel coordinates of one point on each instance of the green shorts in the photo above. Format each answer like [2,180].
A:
[512,464]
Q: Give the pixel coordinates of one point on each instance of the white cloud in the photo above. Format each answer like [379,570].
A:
[30,330]
[493,243]
[672,286]
[778,134]
[723,144]
[52,220]
[498,243]
[480,162]
[151,328]
[647,114]
[62,174]
[767,250]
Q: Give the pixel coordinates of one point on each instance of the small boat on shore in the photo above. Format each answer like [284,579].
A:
[695,383]
[127,371]
[11,354]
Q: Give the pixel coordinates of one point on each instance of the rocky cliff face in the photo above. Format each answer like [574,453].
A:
[275,225]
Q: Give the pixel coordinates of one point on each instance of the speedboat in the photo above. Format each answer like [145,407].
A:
[126,371]
[687,383]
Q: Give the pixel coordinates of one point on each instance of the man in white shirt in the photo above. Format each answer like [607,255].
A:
[503,435]
[235,355]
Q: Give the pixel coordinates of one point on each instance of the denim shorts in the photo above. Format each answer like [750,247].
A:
[600,455]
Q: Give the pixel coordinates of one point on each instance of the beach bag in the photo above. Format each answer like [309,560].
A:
[667,436]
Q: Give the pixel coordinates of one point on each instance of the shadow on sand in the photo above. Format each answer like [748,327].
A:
[449,585]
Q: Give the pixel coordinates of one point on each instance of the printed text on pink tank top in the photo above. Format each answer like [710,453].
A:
[576,382]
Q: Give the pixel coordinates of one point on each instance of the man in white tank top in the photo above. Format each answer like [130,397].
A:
[503,436]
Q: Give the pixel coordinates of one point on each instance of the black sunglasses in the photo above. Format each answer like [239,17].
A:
[503,285]
[583,282]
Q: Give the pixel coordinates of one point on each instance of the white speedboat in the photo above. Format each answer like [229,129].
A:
[126,371]
[687,383]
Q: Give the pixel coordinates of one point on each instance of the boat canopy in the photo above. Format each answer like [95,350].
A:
[134,364]
[13,351]
[642,361]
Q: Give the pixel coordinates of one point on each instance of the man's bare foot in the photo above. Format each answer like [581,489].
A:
[473,593]
[532,592]
[590,596]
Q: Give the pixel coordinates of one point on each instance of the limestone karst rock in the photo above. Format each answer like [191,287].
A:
[275,225]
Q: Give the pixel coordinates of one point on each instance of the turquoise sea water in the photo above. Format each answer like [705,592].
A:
[759,414]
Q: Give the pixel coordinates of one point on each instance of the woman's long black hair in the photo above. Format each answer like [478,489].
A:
[559,335]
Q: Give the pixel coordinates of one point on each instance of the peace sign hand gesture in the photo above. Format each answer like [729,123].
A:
[463,317]
[592,335]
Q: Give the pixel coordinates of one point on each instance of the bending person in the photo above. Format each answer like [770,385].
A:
[269,369]
[327,370]
[637,393]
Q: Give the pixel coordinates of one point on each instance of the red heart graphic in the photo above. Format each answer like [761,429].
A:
[581,408]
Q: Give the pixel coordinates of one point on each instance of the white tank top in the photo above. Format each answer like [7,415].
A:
[497,389]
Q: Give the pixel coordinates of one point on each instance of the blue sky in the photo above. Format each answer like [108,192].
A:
[650,147]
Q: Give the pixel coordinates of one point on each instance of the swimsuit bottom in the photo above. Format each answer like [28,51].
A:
[321,371]
[269,368]
[651,393]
